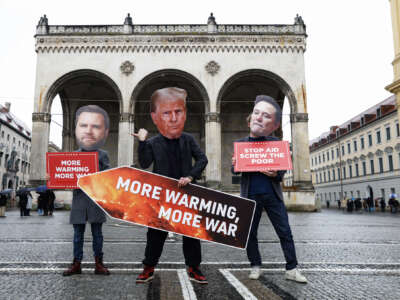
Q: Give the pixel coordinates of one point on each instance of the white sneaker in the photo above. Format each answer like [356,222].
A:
[295,275]
[170,235]
[255,272]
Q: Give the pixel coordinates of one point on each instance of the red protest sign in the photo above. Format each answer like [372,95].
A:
[261,156]
[155,201]
[64,168]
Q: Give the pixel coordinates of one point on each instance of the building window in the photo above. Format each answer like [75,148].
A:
[390,159]
[327,155]
[369,140]
[323,157]
[362,142]
[378,137]
[320,177]
[348,148]
[364,167]
[2,133]
[392,190]
[342,150]
[14,140]
[397,129]
[350,172]
[388,133]
[344,172]
[356,167]
[324,177]
[383,194]
[380,160]
[8,137]
[332,153]
[319,158]
[338,174]
[371,163]
[329,176]
[355,145]
[333,174]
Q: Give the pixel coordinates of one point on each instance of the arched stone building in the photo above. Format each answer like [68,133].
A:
[223,68]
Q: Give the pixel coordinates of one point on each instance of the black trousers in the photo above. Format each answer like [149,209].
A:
[155,243]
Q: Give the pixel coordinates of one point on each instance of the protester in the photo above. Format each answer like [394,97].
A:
[171,152]
[265,188]
[91,130]
[3,205]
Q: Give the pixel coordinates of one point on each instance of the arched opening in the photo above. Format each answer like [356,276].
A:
[76,89]
[235,103]
[197,102]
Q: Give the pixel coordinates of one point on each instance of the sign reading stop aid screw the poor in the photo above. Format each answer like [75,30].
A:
[261,156]
[155,201]
[64,168]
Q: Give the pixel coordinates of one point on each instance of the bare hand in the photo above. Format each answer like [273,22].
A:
[270,173]
[233,161]
[141,135]
[184,181]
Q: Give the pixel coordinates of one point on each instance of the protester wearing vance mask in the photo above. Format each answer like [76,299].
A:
[91,130]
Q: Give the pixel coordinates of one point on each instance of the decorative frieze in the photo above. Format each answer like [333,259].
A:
[179,44]
[212,67]
[299,117]
[212,117]
[41,117]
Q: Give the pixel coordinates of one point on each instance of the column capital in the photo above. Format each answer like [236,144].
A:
[126,117]
[41,117]
[212,117]
[299,117]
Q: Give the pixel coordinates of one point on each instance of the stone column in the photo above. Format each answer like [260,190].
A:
[67,140]
[213,149]
[125,139]
[40,142]
[300,151]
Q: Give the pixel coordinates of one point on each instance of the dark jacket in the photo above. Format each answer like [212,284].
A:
[3,200]
[154,150]
[83,208]
[245,179]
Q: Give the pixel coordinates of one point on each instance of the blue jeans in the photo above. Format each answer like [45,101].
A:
[97,244]
[278,216]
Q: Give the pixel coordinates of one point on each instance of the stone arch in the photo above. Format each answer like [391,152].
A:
[83,87]
[165,73]
[260,73]
[57,85]
[197,102]
[235,102]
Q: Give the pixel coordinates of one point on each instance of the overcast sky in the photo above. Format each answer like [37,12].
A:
[348,57]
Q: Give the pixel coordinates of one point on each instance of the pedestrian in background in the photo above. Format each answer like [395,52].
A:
[23,201]
[3,205]
[382,203]
[29,203]
[51,198]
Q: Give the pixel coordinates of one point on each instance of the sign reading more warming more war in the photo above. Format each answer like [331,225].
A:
[64,168]
[155,201]
[261,156]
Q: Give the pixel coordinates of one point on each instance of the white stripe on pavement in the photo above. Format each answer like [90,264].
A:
[333,270]
[240,288]
[187,288]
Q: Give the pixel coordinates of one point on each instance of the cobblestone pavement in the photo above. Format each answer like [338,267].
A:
[344,256]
